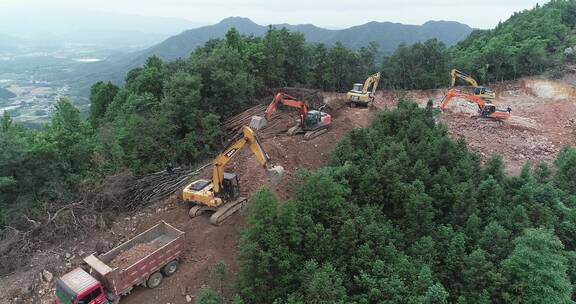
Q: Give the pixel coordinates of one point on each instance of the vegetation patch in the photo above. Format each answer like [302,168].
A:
[404,214]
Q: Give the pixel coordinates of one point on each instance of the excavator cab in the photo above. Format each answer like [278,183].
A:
[483,91]
[488,109]
[357,88]
[363,93]
[316,119]
[313,118]
[230,187]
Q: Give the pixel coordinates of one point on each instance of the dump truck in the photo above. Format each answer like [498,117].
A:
[143,260]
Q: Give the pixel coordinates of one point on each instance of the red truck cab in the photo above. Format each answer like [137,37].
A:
[79,287]
[157,252]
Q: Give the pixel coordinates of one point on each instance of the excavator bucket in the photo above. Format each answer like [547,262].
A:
[275,174]
[257,123]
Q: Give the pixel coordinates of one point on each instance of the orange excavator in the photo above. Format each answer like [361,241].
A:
[486,109]
[312,123]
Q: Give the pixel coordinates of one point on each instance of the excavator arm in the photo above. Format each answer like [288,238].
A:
[247,136]
[479,91]
[455,93]
[286,100]
[486,109]
[373,81]
[456,74]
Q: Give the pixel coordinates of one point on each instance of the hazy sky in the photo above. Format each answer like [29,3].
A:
[328,13]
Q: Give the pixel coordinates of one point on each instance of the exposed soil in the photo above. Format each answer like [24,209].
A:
[543,121]
[134,254]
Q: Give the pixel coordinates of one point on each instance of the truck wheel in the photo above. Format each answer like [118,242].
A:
[170,268]
[154,280]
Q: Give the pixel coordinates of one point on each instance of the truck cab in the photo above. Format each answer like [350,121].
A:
[79,287]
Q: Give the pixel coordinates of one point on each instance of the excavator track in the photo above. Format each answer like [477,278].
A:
[227,210]
[307,134]
[313,134]
[490,120]
[295,130]
[197,210]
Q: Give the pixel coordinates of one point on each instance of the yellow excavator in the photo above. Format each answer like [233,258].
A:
[222,194]
[361,94]
[479,91]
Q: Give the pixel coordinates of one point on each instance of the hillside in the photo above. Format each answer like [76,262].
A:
[399,202]
[387,35]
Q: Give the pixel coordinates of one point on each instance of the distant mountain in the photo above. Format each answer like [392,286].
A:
[387,35]
[6,94]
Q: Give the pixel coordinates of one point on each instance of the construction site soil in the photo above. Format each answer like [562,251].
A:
[543,122]
[134,254]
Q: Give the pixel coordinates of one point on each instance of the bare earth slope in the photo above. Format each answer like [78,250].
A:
[543,121]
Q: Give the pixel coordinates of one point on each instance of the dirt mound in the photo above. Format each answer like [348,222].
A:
[134,254]
[550,90]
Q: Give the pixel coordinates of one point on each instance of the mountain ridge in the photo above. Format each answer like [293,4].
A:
[388,35]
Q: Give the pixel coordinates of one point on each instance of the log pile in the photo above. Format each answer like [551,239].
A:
[280,122]
[160,185]
[233,124]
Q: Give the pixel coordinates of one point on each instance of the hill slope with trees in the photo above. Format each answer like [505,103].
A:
[528,43]
[405,214]
[165,111]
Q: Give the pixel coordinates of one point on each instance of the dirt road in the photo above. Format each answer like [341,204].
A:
[207,244]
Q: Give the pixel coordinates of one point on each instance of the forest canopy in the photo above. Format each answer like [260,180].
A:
[405,214]
[528,43]
[174,110]
[164,111]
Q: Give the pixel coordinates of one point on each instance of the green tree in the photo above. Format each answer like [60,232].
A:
[566,170]
[101,95]
[209,296]
[436,294]
[536,269]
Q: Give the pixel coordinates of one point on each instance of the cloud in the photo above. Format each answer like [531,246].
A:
[476,13]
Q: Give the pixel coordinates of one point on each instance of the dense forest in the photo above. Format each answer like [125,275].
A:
[401,213]
[529,43]
[405,214]
[173,110]
[165,111]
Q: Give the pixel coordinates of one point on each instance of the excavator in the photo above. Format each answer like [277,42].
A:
[485,108]
[222,194]
[479,91]
[361,93]
[312,123]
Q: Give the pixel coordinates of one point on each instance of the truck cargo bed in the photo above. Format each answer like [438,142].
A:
[133,261]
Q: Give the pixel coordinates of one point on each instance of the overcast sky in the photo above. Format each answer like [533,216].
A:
[327,13]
